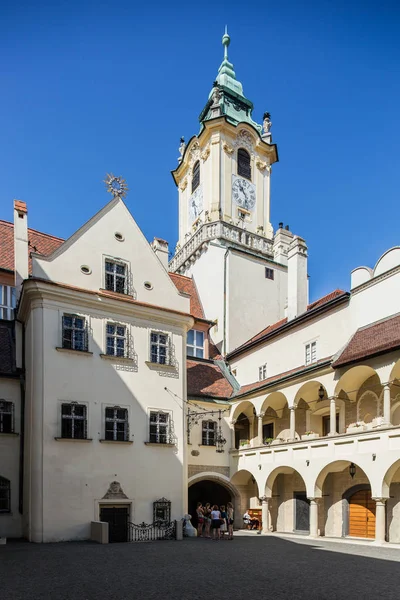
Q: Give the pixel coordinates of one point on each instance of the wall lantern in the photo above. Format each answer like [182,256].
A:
[352,470]
[321,392]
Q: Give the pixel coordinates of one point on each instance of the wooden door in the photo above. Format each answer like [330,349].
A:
[362,515]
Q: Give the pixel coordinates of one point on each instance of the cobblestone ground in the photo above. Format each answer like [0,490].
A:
[250,567]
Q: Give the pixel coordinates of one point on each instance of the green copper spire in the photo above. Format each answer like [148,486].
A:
[227,97]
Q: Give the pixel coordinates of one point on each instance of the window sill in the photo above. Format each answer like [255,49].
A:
[207,445]
[115,294]
[71,350]
[116,441]
[8,434]
[61,439]
[117,358]
[158,444]
[158,366]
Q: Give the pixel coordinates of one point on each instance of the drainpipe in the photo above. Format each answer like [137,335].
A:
[22,426]
[225,262]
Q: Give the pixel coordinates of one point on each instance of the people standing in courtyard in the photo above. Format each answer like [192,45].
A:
[230,515]
[215,522]
[224,521]
[200,519]
[207,519]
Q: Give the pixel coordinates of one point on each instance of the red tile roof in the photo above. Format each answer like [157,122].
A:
[187,286]
[275,326]
[206,379]
[377,338]
[252,387]
[42,243]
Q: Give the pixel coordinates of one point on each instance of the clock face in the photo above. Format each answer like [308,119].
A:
[243,193]
[196,203]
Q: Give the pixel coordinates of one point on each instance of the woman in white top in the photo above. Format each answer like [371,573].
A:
[215,522]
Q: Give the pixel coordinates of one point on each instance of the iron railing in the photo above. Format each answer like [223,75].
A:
[151,532]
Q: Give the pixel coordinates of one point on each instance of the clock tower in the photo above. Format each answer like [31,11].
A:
[226,240]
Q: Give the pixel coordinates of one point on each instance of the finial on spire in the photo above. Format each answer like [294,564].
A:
[226,40]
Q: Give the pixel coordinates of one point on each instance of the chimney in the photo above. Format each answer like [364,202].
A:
[282,241]
[160,248]
[21,254]
[297,278]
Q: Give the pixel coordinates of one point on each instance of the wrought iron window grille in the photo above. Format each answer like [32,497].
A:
[117,277]
[75,334]
[193,417]
[244,163]
[162,511]
[161,428]
[5,495]
[6,417]
[116,424]
[160,348]
[117,340]
[74,421]
[208,433]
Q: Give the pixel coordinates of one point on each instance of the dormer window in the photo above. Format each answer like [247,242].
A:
[196,176]
[243,166]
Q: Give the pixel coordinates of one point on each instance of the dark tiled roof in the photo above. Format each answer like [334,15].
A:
[206,379]
[252,387]
[7,348]
[42,243]
[276,326]
[187,286]
[377,338]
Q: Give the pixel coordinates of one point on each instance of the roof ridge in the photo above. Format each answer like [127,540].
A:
[11,224]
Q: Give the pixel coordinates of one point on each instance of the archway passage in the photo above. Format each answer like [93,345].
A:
[362,515]
[206,491]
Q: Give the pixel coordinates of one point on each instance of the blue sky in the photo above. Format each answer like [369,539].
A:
[96,87]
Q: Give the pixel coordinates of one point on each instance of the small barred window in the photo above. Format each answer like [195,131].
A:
[159,348]
[117,426]
[116,277]
[74,333]
[6,417]
[74,421]
[160,427]
[208,433]
[116,340]
[5,495]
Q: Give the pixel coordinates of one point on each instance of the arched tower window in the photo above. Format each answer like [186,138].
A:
[196,176]
[244,167]
[5,495]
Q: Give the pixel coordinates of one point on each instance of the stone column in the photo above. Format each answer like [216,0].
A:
[313,517]
[332,417]
[260,428]
[232,425]
[251,431]
[380,520]
[292,422]
[265,515]
[386,404]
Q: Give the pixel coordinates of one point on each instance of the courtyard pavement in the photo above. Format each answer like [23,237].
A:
[250,567]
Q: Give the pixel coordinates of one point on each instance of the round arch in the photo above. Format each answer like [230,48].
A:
[276,400]
[213,476]
[335,467]
[395,372]
[245,406]
[282,470]
[351,381]
[388,478]
[309,392]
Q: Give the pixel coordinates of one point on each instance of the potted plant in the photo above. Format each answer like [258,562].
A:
[268,441]
[355,427]
[244,443]
[310,435]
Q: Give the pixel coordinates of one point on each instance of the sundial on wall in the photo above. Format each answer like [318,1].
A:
[116,186]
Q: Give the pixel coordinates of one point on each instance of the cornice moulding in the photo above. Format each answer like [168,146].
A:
[41,294]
